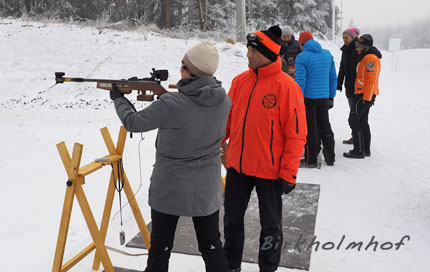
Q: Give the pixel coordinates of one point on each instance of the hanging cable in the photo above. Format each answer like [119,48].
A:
[140,178]
[119,185]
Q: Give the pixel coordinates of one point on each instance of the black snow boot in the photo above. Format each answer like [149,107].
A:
[304,164]
[353,154]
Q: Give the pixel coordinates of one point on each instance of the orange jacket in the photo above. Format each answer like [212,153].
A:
[267,124]
[367,80]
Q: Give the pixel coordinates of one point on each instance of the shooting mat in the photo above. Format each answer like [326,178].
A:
[299,217]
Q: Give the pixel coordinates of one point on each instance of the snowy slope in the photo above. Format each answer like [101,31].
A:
[386,195]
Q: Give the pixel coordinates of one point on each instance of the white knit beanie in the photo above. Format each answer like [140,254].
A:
[202,59]
[286,30]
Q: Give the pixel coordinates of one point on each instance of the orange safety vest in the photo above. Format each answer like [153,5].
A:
[367,80]
[267,124]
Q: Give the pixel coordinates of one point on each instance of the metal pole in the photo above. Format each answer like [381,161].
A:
[333,23]
[341,15]
[240,21]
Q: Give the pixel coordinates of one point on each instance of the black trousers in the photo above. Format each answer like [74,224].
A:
[359,123]
[351,103]
[208,237]
[237,193]
[319,130]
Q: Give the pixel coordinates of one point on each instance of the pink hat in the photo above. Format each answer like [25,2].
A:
[352,32]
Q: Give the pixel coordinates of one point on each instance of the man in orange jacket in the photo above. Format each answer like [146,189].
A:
[366,90]
[267,131]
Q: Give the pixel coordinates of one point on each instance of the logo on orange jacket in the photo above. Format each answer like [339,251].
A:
[269,101]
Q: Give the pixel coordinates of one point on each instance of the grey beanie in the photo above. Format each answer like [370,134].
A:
[286,30]
[352,32]
[202,59]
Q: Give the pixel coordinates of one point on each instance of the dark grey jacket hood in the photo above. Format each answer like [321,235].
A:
[206,91]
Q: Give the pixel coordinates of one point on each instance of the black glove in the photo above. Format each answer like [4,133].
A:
[368,103]
[115,93]
[286,186]
[330,103]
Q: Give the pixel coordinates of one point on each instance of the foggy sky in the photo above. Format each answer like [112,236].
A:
[376,13]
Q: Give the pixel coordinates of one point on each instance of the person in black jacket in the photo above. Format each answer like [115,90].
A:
[348,63]
[292,46]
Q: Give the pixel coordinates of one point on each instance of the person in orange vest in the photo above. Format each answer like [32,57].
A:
[366,90]
[266,129]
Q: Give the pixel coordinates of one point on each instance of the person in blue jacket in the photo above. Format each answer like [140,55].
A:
[316,75]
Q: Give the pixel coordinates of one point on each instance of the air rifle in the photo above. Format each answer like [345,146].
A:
[148,87]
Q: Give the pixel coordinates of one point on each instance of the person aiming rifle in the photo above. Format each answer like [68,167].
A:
[186,178]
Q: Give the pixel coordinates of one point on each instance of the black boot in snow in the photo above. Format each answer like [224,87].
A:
[352,154]
[304,164]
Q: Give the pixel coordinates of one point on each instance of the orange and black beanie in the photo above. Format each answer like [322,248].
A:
[267,42]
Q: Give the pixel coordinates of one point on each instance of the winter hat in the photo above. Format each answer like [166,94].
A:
[202,59]
[267,42]
[365,41]
[286,30]
[304,37]
[352,32]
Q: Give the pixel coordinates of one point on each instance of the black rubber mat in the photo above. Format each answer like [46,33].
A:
[299,217]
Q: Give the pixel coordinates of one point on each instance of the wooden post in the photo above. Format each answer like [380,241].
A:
[68,199]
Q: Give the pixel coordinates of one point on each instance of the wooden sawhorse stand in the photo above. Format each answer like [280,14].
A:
[76,178]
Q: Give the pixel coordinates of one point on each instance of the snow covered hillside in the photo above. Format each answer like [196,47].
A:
[386,196]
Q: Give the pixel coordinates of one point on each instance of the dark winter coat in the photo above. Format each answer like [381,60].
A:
[347,69]
[315,71]
[292,48]
[186,179]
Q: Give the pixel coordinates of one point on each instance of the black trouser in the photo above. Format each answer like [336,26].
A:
[358,120]
[208,237]
[351,103]
[237,193]
[319,129]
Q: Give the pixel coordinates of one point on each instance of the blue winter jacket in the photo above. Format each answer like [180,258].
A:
[315,71]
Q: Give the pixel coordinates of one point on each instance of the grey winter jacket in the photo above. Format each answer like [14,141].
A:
[186,179]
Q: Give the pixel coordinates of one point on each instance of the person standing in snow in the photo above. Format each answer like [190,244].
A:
[348,64]
[366,90]
[186,179]
[266,130]
[292,47]
[316,75]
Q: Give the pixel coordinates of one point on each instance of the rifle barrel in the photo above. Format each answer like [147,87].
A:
[79,79]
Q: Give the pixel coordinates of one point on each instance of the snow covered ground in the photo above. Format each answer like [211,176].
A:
[386,195]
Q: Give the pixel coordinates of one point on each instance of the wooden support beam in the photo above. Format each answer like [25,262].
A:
[121,140]
[92,226]
[108,141]
[71,165]
[106,214]
[67,266]
[94,166]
